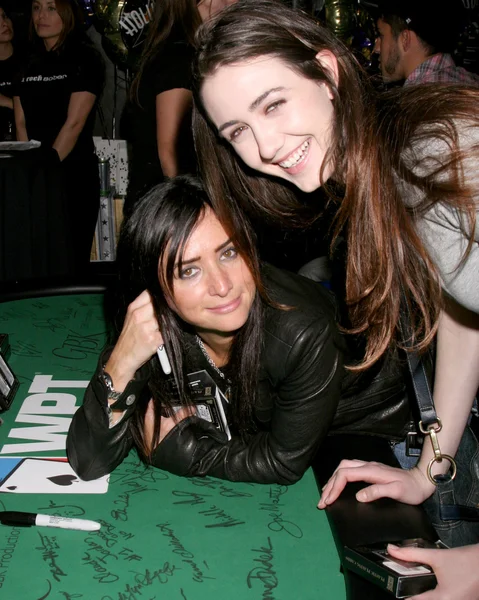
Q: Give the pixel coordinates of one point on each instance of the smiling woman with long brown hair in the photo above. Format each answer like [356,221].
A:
[282,103]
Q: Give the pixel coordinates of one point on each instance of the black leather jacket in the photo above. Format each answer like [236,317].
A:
[304,394]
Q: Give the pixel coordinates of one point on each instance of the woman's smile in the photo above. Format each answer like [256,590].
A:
[297,159]
[226,308]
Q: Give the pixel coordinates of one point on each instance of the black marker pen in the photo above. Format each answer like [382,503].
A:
[24,519]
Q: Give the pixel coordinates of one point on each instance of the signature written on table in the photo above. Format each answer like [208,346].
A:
[49,548]
[186,556]
[273,507]
[142,580]
[264,573]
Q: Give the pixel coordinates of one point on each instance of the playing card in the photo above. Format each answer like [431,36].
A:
[40,476]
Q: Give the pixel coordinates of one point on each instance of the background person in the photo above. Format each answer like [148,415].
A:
[8,68]
[279,97]
[416,40]
[55,102]
[267,337]
[161,144]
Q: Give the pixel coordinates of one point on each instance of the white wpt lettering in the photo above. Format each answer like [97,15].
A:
[49,432]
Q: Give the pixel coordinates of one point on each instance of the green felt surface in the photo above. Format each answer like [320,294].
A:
[162,536]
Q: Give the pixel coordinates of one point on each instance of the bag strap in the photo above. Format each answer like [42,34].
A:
[419,380]
[429,418]
[429,423]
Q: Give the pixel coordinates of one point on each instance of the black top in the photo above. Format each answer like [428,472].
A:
[304,393]
[169,69]
[8,70]
[49,79]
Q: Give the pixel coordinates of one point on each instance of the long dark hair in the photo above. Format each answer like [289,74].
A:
[156,233]
[170,17]
[72,18]
[367,150]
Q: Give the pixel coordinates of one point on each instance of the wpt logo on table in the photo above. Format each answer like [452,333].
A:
[49,411]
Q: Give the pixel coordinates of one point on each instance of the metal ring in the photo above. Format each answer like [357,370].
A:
[453,467]
[437,429]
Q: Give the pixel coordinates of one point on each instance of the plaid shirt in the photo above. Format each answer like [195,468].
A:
[441,67]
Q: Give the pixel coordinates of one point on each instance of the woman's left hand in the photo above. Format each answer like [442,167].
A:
[409,486]
[456,571]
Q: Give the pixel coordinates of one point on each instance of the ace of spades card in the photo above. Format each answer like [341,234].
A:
[41,476]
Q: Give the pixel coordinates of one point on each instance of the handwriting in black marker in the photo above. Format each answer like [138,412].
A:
[129,555]
[278,523]
[103,575]
[190,498]
[78,347]
[218,485]
[71,596]
[48,593]
[161,575]
[25,349]
[48,548]
[178,548]
[66,510]
[265,573]
[40,305]
[94,546]
[142,580]
[53,325]
[218,514]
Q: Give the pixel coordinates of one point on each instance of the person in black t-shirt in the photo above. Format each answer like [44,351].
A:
[55,103]
[160,139]
[7,72]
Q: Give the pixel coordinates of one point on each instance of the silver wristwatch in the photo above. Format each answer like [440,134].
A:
[112,393]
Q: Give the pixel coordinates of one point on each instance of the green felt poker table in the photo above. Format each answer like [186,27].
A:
[161,536]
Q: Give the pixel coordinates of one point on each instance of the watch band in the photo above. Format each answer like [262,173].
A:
[112,393]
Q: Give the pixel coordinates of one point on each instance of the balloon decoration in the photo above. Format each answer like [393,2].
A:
[124,26]
[341,17]
[353,23]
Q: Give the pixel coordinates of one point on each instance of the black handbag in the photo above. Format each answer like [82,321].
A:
[454,507]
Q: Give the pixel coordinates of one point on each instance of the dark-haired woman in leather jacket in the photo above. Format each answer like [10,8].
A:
[267,336]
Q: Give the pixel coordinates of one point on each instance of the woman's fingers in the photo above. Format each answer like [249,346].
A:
[137,343]
[335,484]
[456,570]
[387,482]
[143,299]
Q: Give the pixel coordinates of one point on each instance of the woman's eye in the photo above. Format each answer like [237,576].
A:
[229,253]
[236,133]
[274,106]
[188,273]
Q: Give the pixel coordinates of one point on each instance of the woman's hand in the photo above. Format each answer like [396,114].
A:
[138,341]
[411,487]
[456,571]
